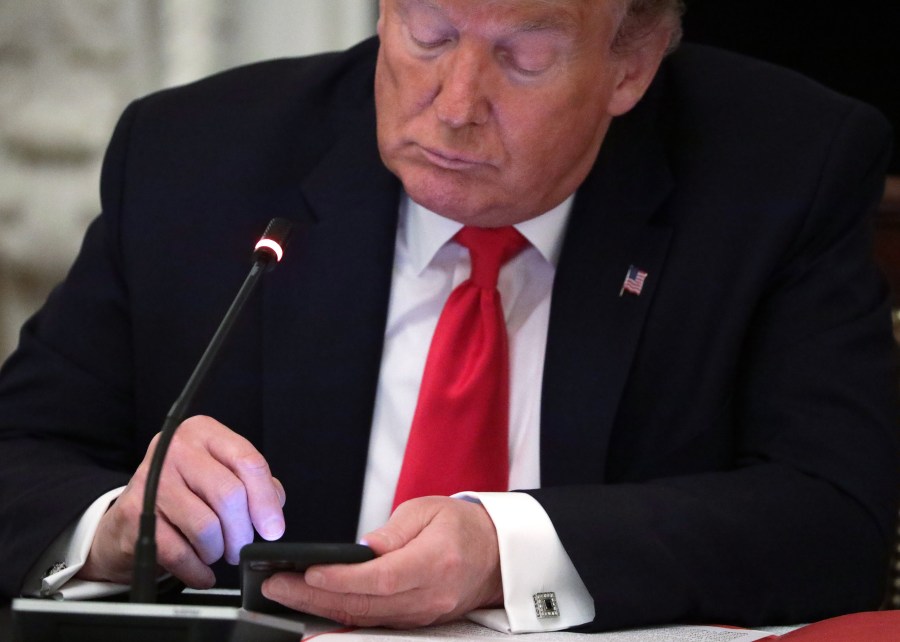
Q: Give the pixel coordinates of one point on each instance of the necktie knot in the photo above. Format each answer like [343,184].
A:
[490,248]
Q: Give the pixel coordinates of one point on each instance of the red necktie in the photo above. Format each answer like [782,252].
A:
[459,435]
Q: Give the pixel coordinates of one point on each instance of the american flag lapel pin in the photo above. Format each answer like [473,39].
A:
[634,281]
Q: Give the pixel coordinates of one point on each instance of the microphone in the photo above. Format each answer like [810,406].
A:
[197,617]
[268,252]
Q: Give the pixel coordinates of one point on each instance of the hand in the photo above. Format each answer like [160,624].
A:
[437,560]
[215,489]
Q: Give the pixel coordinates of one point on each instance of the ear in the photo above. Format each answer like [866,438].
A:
[637,65]
[379,26]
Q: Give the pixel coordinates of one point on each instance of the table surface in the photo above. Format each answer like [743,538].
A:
[460,631]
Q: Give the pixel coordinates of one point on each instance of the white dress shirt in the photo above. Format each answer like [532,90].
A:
[427,266]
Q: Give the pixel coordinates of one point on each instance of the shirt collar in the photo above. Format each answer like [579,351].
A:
[427,232]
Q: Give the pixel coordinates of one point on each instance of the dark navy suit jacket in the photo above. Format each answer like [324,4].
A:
[722,447]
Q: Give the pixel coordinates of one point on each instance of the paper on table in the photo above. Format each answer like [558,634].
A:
[472,631]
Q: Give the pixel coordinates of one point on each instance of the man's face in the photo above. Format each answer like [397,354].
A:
[492,112]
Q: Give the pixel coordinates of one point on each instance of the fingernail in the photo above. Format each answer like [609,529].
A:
[273,528]
[314,578]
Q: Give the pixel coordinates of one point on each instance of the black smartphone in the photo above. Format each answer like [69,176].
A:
[262,559]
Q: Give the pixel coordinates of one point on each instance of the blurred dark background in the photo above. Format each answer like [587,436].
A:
[852,47]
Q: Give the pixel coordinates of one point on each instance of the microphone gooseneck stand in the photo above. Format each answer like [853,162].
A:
[266,255]
[141,619]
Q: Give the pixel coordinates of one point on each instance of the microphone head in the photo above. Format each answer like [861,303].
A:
[270,247]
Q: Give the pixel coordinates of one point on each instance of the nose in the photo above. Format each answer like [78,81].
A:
[461,99]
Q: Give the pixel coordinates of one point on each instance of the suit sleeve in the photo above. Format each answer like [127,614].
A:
[66,409]
[799,525]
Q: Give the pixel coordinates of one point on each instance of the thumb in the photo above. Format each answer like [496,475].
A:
[407,521]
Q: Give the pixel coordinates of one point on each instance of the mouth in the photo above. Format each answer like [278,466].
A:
[451,160]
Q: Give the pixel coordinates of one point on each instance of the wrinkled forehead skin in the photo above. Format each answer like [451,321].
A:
[632,17]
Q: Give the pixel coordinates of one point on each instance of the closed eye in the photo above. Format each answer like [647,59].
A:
[531,53]
[522,69]
[429,44]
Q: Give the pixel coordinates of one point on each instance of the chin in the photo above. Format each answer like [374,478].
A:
[454,207]
[461,201]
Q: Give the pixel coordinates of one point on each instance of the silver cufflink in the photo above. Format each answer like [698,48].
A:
[56,568]
[545,605]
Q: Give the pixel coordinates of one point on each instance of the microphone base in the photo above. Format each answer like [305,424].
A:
[38,620]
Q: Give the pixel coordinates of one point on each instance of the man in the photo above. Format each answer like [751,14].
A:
[711,390]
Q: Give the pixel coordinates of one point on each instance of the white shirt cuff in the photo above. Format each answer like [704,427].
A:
[52,575]
[542,591]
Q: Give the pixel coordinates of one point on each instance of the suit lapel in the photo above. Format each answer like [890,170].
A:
[594,331]
[324,317]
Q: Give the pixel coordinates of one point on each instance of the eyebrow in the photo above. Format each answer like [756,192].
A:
[434,5]
[554,23]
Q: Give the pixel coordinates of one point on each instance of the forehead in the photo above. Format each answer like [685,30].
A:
[562,15]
